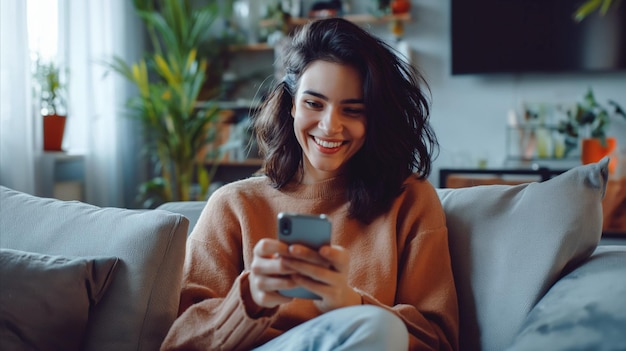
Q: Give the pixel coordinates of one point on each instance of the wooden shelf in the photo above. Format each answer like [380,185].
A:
[360,18]
[355,18]
[251,162]
[252,47]
[240,104]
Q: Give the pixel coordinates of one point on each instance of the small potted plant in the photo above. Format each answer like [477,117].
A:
[51,94]
[589,122]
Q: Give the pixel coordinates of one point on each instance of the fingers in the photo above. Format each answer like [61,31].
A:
[306,254]
[264,290]
[268,273]
[277,266]
[337,256]
[329,281]
[270,248]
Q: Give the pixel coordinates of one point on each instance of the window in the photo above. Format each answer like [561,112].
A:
[43,29]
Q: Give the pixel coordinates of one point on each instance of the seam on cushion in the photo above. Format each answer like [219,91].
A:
[172,231]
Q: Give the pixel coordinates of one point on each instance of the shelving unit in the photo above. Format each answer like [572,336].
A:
[359,18]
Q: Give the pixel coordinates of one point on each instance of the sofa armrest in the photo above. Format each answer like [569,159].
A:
[190,209]
[142,300]
[584,310]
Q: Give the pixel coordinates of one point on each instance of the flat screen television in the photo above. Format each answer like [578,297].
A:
[535,36]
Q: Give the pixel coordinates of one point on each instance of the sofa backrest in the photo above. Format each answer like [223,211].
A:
[509,244]
[141,302]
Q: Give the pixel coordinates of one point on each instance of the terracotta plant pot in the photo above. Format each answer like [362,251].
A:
[400,6]
[594,151]
[53,129]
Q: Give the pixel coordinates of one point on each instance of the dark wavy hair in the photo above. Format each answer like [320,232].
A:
[399,140]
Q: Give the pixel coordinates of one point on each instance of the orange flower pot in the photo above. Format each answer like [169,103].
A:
[53,130]
[593,151]
[400,6]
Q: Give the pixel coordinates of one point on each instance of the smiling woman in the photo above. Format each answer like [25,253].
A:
[329,119]
[344,133]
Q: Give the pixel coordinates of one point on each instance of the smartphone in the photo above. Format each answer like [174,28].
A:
[309,230]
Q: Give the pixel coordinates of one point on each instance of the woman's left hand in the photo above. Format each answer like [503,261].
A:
[329,279]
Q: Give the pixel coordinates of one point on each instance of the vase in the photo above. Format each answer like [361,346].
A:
[53,130]
[593,151]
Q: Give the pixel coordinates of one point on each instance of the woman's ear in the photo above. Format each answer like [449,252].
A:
[293,107]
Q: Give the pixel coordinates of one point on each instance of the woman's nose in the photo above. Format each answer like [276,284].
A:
[330,122]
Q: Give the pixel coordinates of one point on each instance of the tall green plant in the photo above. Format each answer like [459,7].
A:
[590,6]
[169,80]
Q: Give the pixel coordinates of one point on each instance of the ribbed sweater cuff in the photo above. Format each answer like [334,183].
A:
[240,329]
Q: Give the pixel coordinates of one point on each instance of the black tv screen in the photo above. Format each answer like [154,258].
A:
[535,36]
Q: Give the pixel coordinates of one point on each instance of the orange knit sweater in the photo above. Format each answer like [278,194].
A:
[400,262]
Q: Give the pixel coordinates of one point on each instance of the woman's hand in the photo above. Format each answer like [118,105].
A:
[324,272]
[268,273]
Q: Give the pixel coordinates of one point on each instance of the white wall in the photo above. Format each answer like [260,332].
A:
[469,112]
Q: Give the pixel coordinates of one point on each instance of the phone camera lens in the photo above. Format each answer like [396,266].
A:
[285,226]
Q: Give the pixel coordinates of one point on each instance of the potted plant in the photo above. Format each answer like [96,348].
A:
[589,122]
[51,93]
[170,80]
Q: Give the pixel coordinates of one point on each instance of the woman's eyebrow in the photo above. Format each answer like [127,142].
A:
[325,98]
[316,94]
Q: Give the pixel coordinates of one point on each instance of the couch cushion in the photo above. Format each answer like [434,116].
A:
[509,243]
[45,300]
[190,209]
[142,301]
[585,310]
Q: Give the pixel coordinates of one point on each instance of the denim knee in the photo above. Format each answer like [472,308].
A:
[375,328]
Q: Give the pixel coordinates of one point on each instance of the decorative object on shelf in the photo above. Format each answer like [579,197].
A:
[246,18]
[590,6]
[51,92]
[325,9]
[400,6]
[591,120]
[534,135]
[169,80]
[592,150]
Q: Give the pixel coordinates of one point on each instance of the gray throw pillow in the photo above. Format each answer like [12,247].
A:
[509,243]
[45,300]
[585,310]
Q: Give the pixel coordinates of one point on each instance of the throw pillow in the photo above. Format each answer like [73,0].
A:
[509,244]
[585,310]
[45,300]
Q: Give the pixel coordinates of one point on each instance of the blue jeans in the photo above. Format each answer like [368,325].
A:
[363,328]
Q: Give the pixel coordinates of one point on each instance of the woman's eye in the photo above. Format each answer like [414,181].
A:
[312,104]
[354,111]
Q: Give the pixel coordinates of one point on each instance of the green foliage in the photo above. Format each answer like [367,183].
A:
[51,91]
[169,81]
[590,6]
[589,119]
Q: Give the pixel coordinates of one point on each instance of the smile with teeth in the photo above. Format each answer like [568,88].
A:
[327,144]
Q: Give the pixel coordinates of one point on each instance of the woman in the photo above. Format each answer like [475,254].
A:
[345,133]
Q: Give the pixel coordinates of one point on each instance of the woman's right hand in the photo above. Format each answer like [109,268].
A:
[268,274]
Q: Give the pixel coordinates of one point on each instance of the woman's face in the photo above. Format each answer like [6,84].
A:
[329,118]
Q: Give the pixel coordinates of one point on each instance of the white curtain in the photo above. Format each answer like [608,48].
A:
[18,139]
[90,33]
[96,32]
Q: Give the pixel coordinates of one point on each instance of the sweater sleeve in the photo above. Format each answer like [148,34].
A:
[426,297]
[219,323]
[216,310]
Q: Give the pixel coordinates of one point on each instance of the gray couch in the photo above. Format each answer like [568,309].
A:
[528,271]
